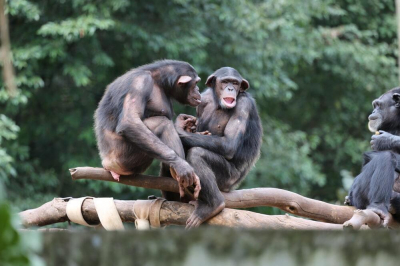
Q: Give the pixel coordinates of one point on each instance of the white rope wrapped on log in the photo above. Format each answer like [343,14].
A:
[147,213]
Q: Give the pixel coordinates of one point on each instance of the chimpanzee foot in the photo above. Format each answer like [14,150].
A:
[202,212]
[382,213]
[115,175]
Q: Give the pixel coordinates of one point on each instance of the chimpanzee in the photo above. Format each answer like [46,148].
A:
[134,125]
[373,187]
[222,159]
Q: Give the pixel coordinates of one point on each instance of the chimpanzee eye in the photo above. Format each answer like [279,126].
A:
[224,81]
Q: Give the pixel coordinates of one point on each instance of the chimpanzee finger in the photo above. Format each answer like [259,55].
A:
[197,186]
[374,136]
[183,182]
[191,180]
[173,173]
[181,191]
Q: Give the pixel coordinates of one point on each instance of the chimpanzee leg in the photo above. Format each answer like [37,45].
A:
[373,187]
[164,128]
[382,181]
[206,165]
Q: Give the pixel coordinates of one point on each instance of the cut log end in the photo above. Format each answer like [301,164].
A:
[72,171]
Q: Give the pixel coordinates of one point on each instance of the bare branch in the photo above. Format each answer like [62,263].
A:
[172,213]
[287,201]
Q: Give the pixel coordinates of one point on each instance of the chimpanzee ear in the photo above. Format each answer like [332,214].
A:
[244,85]
[210,80]
[396,97]
[184,79]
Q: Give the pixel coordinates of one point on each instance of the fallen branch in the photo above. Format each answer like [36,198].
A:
[285,200]
[171,213]
[369,218]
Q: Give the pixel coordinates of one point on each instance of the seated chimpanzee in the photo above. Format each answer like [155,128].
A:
[134,121]
[373,187]
[227,142]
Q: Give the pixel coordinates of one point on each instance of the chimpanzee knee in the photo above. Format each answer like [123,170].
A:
[194,155]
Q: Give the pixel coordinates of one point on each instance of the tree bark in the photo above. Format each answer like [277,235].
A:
[172,213]
[285,200]
[5,51]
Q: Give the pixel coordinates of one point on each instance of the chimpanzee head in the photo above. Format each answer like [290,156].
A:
[386,113]
[227,83]
[185,79]
[190,90]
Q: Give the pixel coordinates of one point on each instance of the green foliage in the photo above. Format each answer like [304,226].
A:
[8,131]
[314,67]
[15,248]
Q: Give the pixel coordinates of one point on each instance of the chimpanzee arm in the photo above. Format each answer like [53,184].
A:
[227,144]
[385,141]
[131,124]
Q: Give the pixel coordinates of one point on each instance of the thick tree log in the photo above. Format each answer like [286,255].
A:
[172,213]
[287,201]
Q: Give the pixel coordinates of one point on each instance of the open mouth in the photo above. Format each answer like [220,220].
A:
[229,101]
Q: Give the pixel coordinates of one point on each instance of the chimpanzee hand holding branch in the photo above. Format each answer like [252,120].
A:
[134,125]
[222,159]
[373,187]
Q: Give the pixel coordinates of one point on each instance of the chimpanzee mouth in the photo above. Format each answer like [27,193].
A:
[195,101]
[229,101]
[374,125]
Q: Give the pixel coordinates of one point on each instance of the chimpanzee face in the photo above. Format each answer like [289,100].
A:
[227,89]
[227,83]
[386,113]
[191,93]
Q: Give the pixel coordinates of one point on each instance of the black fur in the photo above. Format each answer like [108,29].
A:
[222,160]
[373,187]
[133,122]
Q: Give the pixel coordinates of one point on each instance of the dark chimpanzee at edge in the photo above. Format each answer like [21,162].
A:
[134,125]
[373,187]
[227,142]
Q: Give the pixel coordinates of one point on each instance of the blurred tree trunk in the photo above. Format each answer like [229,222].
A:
[398,36]
[5,51]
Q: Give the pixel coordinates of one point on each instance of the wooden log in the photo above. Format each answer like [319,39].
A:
[285,200]
[171,213]
[369,218]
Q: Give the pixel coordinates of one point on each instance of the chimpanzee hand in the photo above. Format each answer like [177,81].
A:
[384,141]
[205,133]
[186,122]
[184,174]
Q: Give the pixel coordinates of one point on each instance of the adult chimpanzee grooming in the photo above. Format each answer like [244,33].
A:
[134,121]
[373,187]
[222,159]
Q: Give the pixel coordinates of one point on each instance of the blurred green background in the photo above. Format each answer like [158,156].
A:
[314,67]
